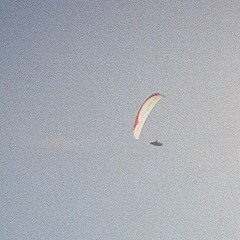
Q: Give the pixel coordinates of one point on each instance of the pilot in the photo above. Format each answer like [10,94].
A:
[156,143]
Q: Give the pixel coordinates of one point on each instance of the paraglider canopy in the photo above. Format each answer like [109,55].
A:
[143,113]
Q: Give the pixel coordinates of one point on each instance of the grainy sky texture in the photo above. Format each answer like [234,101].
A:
[73,74]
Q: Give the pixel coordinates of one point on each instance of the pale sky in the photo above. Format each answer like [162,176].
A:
[73,74]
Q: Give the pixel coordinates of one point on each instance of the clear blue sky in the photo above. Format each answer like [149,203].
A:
[73,74]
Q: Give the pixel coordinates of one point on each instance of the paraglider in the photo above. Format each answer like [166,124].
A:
[156,143]
[143,113]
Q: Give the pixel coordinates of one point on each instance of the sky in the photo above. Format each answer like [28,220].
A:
[73,74]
